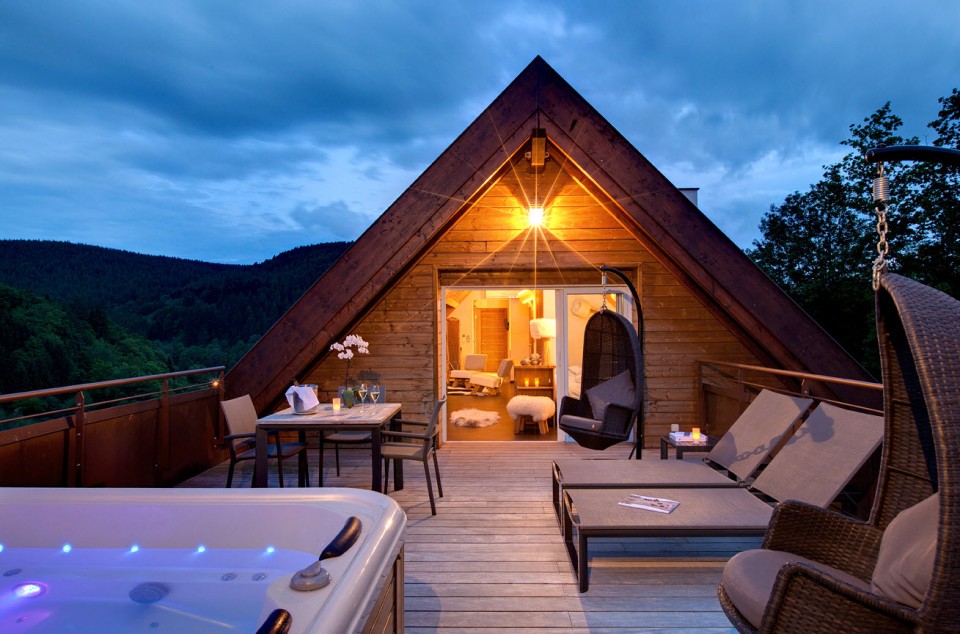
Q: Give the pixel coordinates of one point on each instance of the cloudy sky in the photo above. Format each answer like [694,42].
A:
[229,131]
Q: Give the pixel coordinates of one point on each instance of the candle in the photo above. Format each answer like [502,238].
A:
[696,433]
[536,382]
[336,406]
[526,382]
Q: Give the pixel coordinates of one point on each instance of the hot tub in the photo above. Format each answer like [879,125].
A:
[194,560]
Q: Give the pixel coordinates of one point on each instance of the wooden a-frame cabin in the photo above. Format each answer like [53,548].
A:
[463,224]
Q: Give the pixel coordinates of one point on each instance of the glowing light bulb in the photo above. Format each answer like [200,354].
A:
[201,548]
[66,548]
[270,550]
[135,548]
[535,216]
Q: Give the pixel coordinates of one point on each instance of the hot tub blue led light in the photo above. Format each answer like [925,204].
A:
[29,590]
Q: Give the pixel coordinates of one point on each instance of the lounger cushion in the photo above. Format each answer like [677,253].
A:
[618,390]
[749,576]
[907,550]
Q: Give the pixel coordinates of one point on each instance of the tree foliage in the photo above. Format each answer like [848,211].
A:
[190,311]
[819,245]
[82,314]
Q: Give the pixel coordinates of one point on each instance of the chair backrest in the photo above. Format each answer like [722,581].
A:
[432,424]
[504,369]
[757,432]
[240,414]
[822,456]
[475,362]
[919,334]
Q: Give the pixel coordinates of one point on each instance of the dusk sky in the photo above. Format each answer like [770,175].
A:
[230,131]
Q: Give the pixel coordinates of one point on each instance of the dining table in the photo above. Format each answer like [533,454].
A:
[370,417]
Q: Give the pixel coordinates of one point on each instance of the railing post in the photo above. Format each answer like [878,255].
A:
[701,400]
[741,390]
[162,458]
[220,427]
[79,418]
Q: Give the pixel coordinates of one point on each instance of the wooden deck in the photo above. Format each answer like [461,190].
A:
[493,560]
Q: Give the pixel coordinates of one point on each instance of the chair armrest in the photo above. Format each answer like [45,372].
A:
[804,594]
[405,434]
[570,406]
[410,422]
[826,536]
[617,419]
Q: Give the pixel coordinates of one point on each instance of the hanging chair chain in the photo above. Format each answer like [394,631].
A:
[881,198]
[603,282]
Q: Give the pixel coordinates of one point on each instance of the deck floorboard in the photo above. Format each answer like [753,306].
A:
[492,559]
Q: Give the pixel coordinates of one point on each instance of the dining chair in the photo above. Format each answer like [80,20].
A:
[351,437]
[241,417]
[415,446]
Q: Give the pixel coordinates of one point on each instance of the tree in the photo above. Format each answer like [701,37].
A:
[819,245]
[934,203]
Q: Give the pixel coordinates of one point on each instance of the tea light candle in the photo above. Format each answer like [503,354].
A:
[536,382]
[336,406]
[696,433]
[526,382]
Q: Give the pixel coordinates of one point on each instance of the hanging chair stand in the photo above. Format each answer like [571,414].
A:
[613,364]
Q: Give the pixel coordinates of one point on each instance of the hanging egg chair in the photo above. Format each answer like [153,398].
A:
[612,381]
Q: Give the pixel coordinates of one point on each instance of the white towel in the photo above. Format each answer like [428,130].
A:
[302,398]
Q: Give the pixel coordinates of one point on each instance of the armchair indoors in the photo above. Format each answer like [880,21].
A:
[415,446]
[472,364]
[491,381]
[241,418]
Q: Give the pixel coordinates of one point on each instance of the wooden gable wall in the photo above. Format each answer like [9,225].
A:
[490,244]
[455,219]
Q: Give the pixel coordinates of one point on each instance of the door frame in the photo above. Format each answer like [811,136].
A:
[623,305]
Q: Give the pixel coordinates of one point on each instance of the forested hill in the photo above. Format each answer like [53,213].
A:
[198,313]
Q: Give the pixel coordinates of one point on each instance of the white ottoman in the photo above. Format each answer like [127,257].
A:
[535,409]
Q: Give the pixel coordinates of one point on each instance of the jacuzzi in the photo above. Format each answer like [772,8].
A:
[194,560]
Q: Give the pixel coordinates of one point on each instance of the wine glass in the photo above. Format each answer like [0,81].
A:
[375,393]
[362,393]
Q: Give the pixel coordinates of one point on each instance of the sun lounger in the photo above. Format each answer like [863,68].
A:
[756,433]
[814,466]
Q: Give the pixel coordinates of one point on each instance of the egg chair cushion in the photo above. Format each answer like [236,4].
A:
[619,391]
[907,550]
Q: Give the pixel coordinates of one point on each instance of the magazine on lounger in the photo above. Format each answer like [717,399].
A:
[660,505]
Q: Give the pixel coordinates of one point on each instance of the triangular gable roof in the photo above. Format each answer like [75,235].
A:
[761,315]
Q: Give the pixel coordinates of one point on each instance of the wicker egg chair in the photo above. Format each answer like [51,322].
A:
[610,347]
[919,337]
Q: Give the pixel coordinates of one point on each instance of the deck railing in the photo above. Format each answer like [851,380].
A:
[144,431]
[725,389]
